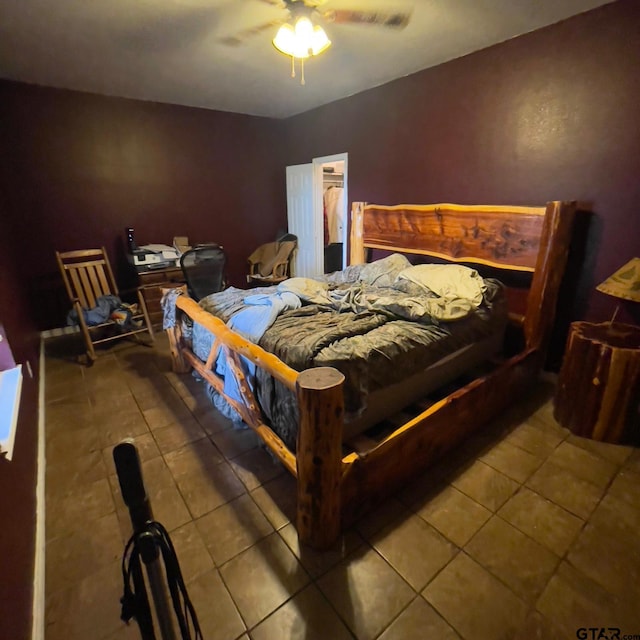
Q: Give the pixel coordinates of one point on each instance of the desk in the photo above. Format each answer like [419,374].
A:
[598,394]
[151,283]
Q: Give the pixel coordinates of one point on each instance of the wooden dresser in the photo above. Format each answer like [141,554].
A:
[152,283]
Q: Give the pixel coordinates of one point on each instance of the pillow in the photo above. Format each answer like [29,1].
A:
[306,289]
[383,273]
[449,281]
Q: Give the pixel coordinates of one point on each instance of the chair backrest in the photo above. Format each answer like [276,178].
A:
[203,269]
[268,256]
[87,275]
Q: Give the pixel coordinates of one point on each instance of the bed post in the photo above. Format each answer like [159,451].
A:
[178,362]
[319,455]
[356,255]
[550,267]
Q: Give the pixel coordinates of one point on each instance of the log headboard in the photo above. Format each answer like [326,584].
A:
[525,239]
[504,237]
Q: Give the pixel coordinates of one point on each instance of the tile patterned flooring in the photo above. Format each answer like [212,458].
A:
[525,531]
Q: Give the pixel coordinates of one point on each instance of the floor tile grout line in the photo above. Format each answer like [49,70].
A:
[552,573]
[601,490]
[529,607]
[586,523]
[371,548]
[291,595]
[418,596]
[523,487]
[256,541]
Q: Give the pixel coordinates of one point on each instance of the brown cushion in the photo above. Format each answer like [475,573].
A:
[269,255]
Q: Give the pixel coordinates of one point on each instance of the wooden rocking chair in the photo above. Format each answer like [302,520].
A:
[87,276]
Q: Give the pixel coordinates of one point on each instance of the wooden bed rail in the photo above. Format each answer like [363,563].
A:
[184,358]
[247,411]
[415,445]
[253,352]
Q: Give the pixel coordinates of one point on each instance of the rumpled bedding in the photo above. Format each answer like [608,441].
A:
[369,321]
[249,316]
[373,349]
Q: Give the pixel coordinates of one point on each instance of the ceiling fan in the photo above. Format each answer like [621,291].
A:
[313,9]
[298,37]
[396,19]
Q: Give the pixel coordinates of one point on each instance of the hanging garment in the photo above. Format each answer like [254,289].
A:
[333,205]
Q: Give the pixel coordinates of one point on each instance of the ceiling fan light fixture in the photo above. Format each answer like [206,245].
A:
[321,41]
[302,40]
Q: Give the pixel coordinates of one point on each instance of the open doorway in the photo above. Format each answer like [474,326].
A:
[330,203]
[307,185]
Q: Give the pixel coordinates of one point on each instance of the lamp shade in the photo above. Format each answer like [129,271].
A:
[624,283]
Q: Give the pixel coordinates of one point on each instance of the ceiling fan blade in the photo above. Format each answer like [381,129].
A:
[346,16]
[243,35]
[294,3]
[275,3]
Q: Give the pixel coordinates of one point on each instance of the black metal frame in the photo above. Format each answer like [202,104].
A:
[203,268]
[150,543]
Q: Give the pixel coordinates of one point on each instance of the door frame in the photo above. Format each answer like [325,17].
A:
[318,198]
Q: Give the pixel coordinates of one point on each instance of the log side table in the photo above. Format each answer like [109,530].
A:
[598,394]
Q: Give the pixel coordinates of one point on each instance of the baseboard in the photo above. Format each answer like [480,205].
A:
[37,630]
[61,331]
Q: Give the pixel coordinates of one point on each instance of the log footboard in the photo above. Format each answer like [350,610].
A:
[318,464]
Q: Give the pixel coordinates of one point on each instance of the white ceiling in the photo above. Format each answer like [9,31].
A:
[174,50]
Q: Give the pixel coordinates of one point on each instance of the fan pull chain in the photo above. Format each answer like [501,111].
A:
[293,69]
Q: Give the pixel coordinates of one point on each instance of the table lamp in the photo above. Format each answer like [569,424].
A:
[624,283]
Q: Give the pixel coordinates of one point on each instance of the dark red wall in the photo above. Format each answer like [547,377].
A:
[84,167]
[18,477]
[549,115]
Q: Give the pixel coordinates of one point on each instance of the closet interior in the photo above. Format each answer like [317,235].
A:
[334,215]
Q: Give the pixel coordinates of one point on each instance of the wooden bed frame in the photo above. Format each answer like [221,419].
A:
[333,489]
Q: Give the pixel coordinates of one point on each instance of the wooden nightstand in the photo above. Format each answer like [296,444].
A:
[152,283]
[598,394]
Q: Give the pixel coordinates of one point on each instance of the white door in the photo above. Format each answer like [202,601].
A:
[303,223]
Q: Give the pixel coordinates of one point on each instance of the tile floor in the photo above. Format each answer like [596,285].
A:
[525,532]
